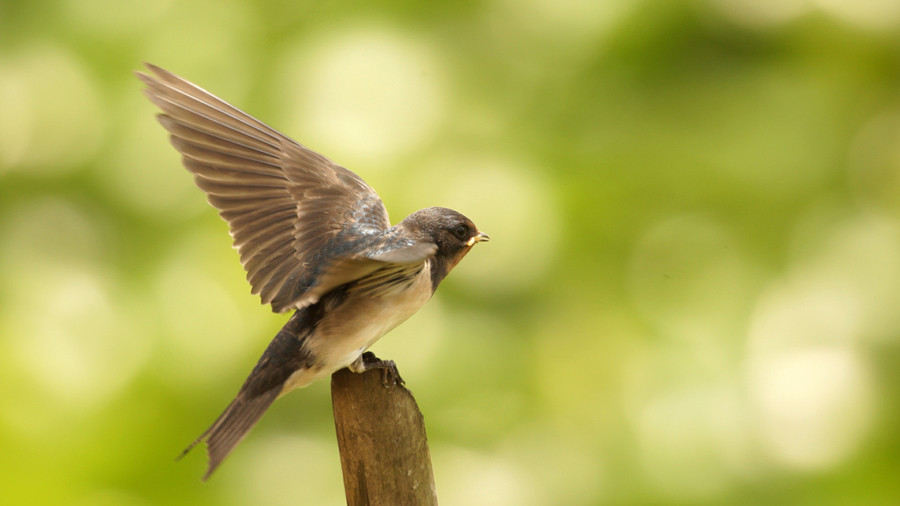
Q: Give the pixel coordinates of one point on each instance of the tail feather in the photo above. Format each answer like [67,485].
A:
[284,356]
[240,416]
[232,425]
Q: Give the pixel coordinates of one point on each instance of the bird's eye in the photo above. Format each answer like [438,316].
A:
[460,231]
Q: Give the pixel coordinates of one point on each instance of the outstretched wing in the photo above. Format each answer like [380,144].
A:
[298,220]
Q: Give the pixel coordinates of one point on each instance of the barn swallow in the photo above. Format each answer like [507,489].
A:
[314,239]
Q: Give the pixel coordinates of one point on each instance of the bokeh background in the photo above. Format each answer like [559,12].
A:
[691,295]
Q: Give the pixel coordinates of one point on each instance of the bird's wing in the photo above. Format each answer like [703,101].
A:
[298,220]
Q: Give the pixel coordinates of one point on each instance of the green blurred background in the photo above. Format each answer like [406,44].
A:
[691,295]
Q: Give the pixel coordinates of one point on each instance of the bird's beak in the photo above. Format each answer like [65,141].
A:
[479,237]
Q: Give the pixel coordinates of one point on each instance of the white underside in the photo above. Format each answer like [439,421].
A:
[338,342]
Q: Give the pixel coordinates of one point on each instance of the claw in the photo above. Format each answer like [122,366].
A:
[390,376]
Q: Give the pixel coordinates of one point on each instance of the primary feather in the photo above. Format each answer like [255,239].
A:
[284,203]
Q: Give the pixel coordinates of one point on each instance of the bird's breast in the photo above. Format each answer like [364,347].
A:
[372,307]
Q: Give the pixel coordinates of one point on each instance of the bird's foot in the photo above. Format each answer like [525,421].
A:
[390,376]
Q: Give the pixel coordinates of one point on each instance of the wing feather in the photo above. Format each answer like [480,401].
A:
[299,221]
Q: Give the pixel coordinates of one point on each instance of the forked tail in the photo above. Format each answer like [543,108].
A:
[232,425]
[284,356]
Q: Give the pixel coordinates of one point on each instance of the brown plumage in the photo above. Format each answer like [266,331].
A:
[313,238]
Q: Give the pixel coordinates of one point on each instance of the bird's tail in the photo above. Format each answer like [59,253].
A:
[232,425]
[284,356]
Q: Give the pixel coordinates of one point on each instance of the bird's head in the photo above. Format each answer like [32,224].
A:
[453,233]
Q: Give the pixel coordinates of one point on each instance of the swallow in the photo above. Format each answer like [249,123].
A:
[314,239]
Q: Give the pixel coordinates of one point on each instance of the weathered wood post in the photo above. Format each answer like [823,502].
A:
[381,438]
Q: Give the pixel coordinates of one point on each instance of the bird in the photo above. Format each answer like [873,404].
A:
[314,239]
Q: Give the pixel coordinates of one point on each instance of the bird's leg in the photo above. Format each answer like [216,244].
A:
[389,374]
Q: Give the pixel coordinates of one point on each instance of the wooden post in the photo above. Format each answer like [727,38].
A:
[381,438]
